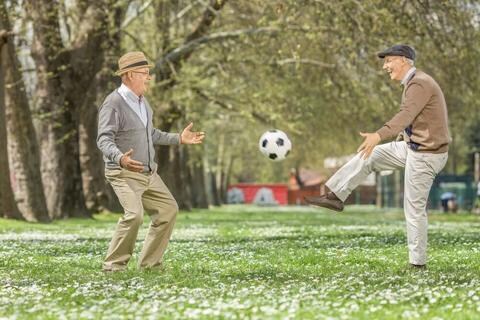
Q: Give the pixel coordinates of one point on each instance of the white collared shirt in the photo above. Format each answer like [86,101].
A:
[135,102]
[408,75]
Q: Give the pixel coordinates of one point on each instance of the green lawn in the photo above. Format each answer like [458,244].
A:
[246,262]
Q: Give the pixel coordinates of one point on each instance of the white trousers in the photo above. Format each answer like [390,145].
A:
[420,171]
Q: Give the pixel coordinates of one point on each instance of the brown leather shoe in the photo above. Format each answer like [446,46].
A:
[329,201]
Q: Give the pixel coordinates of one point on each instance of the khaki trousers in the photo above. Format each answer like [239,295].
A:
[138,192]
[420,171]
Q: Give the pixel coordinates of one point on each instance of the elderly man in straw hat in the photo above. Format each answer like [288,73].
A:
[126,137]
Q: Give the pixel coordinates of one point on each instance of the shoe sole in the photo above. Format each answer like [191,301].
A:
[324,206]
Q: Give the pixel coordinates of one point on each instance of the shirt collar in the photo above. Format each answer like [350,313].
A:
[129,94]
[408,75]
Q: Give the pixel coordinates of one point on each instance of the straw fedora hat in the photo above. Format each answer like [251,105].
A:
[131,61]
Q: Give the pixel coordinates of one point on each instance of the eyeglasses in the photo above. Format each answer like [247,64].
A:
[146,73]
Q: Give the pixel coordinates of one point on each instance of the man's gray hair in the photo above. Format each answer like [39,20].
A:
[410,61]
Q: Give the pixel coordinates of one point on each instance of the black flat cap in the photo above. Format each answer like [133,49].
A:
[398,50]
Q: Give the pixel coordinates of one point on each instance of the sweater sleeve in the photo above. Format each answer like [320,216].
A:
[416,97]
[165,138]
[107,129]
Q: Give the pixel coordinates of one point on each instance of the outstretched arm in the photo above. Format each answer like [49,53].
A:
[165,138]
[186,137]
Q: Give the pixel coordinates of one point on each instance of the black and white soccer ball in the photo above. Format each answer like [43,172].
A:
[275,145]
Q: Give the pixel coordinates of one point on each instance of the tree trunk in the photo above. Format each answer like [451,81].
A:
[199,193]
[99,195]
[96,58]
[183,179]
[219,166]
[215,192]
[23,151]
[8,207]
[226,178]
[206,176]
[61,167]
[172,169]
[59,135]
[222,169]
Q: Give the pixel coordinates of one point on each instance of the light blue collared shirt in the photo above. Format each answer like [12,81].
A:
[408,75]
[136,103]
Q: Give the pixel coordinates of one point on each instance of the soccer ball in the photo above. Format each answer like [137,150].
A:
[275,145]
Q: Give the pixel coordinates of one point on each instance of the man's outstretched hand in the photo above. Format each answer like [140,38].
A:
[130,164]
[189,137]
[371,140]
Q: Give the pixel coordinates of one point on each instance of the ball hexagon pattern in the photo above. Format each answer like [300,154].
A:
[275,145]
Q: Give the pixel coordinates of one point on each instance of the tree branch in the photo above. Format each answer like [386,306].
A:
[226,106]
[182,12]
[181,53]
[207,19]
[168,64]
[304,61]
[140,10]
[138,44]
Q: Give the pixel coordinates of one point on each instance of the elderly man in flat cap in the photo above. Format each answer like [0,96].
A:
[421,147]
[126,137]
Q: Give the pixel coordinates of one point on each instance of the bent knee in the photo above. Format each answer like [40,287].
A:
[171,210]
[166,214]
[132,217]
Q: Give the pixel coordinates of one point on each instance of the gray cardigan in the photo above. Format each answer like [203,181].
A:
[120,129]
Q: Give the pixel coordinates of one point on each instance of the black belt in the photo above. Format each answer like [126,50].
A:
[414,146]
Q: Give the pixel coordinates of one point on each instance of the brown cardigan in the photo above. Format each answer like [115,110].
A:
[423,115]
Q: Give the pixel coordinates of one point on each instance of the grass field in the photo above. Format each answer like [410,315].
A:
[246,263]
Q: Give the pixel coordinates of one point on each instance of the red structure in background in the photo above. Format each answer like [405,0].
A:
[304,183]
[301,183]
[280,191]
